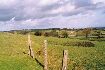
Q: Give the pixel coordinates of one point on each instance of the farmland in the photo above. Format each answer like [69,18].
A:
[14,49]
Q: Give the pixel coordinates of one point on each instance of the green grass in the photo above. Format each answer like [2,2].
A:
[12,57]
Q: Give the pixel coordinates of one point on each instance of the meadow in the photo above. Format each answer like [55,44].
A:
[14,49]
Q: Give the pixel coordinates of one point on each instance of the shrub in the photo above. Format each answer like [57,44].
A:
[38,33]
[53,33]
[63,34]
[47,34]
[23,32]
[75,43]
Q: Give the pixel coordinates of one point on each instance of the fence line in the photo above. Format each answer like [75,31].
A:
[45,55]
[31,53]
[65,57]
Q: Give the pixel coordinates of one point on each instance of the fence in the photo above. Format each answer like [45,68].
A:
[45,66]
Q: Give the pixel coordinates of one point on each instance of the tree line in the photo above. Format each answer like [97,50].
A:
[64,33]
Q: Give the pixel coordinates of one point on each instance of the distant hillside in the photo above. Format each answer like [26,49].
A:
[100,27]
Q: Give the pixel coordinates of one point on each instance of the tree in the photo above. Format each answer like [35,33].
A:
[87,31]
[64,34]
[47,34]
[54,33]
[23,32]
[37,33]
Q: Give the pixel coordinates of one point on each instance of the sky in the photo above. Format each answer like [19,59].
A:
[36,14]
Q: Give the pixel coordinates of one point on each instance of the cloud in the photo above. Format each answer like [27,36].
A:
[21,14]
[98,1]
[82,3]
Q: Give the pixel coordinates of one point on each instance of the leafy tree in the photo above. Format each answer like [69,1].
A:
[87,31]
[37,33]
[64,34]
[54,33]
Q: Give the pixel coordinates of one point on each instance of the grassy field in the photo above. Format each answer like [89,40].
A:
[13,46]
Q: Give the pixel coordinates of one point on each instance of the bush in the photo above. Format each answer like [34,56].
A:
[64,34]
[38,33]
[53,33]
[75,43]
[23,32]
[47,34]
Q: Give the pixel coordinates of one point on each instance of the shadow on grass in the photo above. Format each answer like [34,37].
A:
[36,61]
[39,63]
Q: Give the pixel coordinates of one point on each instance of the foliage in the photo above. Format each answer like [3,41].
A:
[47,34]
[53,33]
[38,33]
[74,43]
[86,31]
[63,34]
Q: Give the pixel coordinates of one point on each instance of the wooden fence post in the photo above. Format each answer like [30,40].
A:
[45,55]
[31,53]
[64,63]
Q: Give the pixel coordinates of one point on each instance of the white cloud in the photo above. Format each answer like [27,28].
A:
[65,8]
[50,13]
[29,22]
[47,2]
[7,3]
[97,1]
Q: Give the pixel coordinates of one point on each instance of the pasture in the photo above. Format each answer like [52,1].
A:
[14,49]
